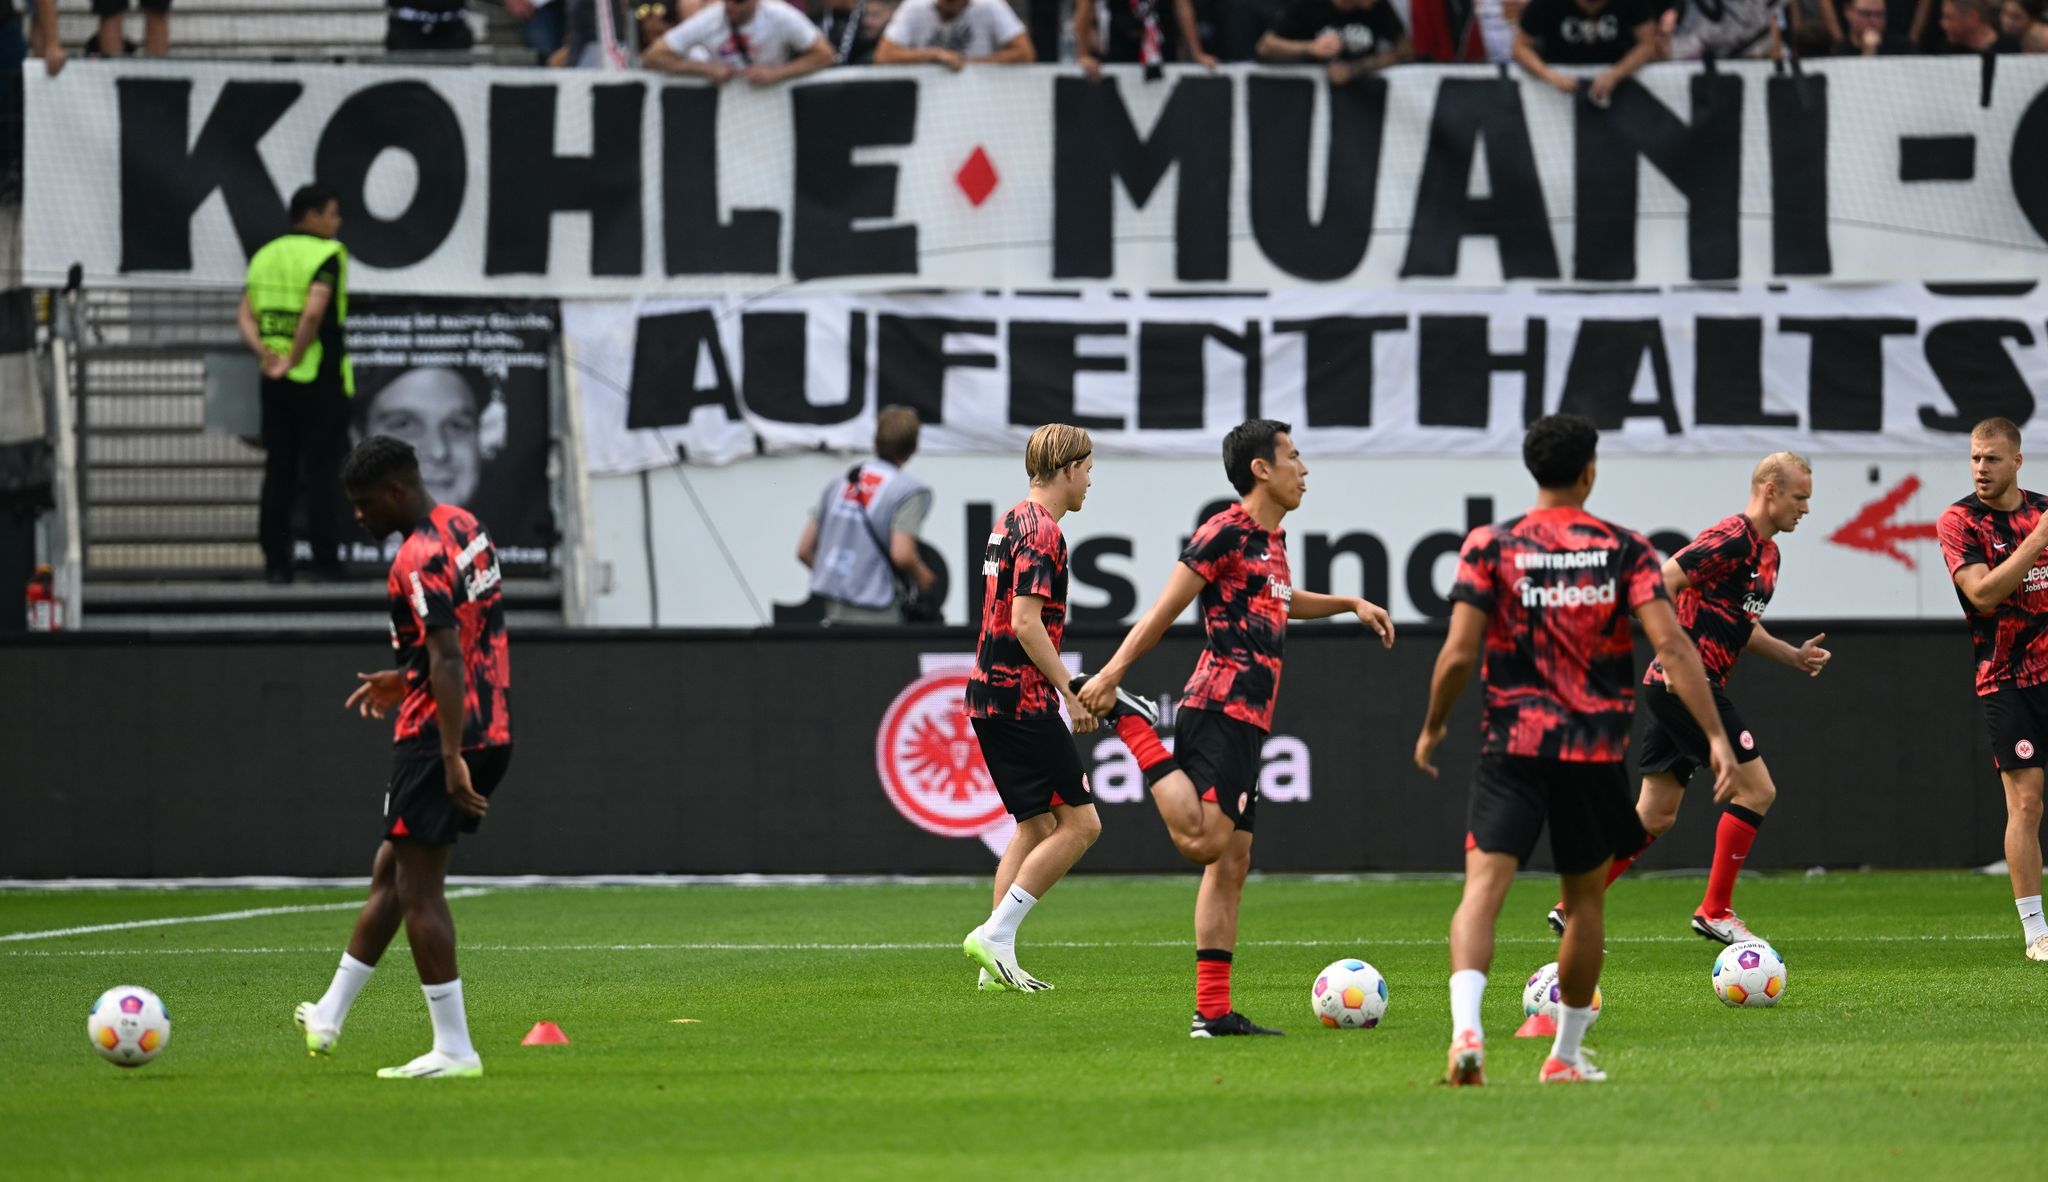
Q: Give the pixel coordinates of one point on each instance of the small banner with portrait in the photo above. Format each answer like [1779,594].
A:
[466,383]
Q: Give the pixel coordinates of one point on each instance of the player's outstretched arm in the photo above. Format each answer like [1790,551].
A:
[1181,588]
[449,680]
[1675,578]
[1029,626]
[1683,672]
[1313,605]
[1809,658]
[1454,665]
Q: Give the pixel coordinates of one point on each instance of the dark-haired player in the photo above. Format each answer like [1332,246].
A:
[1546,597]
[1014,695]
[1992,541]
[1720,584]
[1207,790]
[452,743]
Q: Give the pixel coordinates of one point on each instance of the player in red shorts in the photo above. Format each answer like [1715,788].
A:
[1546,598]
[1992,541]
[1720,585]
[1014,695]
[1207,789]
[452,742]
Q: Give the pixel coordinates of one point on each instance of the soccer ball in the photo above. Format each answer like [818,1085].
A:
[128,1026]
[1749,974]
[1349,995]
[1540,995]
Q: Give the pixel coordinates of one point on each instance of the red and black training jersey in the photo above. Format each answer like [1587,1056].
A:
[1244,612]
[2012,639]
[446,576]
[1026,555]
[1733,572]
[1558,587]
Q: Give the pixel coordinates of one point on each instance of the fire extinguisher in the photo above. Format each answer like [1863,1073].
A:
[45,610]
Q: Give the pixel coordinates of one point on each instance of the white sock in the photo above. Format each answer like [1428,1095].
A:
[349,980]
[1468,988]
[2030,917]
[451,1027]
[1572,1023]
[1002,922]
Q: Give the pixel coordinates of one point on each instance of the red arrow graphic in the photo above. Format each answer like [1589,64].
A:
[1873,529]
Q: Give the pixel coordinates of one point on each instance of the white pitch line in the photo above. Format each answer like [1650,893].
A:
[721,946]
[213,917]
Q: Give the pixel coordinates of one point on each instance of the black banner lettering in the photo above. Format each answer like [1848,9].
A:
[1338,372]
[1095,147]
[694,240]
[1845,375]
[1798,109]
[833,119]
[410,117]
[1471,113]
[163,185]
[1702,159]
[1173,379]
[1970,361]
[912,360]
[1600,381]
[1044,360]
[1279,123]
[1454,385]
[1728,374]
[666,350]
[530,183]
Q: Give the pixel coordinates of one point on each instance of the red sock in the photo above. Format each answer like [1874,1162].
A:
[1212,982]
[1144,744]
[1731,848]
[1621,865]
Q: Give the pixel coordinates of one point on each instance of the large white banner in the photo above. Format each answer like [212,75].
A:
[693,546]
[580,183]
[1889,369]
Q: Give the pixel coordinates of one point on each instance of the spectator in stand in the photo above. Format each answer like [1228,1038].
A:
[1136,34]
[2036,40]
[156,26]
[1725,30]
[655,18]
[2015,17]
[953,33]
[1450,30]
[543,25]
[1869,35]
[1621,34]
[427,26]
[1355,37]
[763,41]
[1972,27]
[854,27]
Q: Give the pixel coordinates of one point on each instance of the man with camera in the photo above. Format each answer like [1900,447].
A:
[861,540]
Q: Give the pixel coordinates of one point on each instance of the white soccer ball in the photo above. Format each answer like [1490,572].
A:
[128,1026]
[1750,973]
[1541,996]
[1349,995]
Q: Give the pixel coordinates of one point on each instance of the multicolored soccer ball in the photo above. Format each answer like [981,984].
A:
[1349,995]
[1750,973]
[1540,995]
[128,1026]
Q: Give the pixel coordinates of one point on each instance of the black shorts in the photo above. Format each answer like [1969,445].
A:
[117,7]
[1034,764]
[416,805]
[1223,756]
[1675,743]
[2018,722]
[1591,812]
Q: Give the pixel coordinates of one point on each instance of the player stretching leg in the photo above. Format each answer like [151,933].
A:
[452,744]
[1992,541]
[1546,597]
[1207,791]
[1720,584]
[1014,695]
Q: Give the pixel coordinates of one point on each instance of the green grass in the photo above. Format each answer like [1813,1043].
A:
[869,1055]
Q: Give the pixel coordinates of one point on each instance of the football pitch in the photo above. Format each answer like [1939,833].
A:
[833,1031]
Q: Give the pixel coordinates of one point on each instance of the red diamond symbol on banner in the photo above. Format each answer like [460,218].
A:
[977,178]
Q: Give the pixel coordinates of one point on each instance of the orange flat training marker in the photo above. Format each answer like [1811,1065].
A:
[544,1034]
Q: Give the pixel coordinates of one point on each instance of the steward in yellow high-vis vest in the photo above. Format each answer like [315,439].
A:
[292,316]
